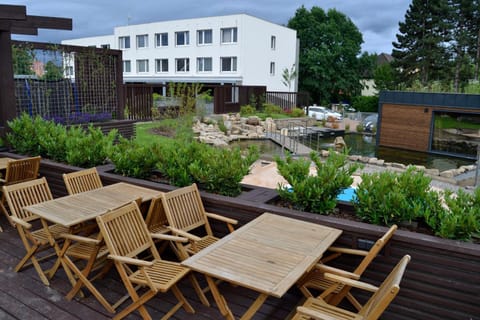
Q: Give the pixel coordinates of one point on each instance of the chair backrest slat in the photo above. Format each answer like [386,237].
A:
[388,290]
[125,232]
[184,209]
[25,194]
[83,180]
[22,170]
[375,250]
[156,216]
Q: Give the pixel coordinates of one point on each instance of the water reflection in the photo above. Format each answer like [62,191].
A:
[365,146]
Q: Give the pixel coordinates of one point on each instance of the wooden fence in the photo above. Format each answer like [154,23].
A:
[288,100]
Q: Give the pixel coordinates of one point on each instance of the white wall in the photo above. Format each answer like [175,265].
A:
[253,50]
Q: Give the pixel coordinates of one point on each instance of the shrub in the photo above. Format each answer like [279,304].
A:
[175,158]
[389,197]
[247,110]
[297,113]
[37,136]
[315,193]
[133,159]
[221,170]
[365,104]
[271,109]
[461,220]
[88,148]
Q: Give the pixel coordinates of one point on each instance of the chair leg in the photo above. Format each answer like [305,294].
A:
[5,212]
[138,303]
[199,290]
[186,305]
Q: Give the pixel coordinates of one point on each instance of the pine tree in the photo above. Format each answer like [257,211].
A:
[420,52]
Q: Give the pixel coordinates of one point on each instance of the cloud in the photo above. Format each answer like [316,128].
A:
[376,19]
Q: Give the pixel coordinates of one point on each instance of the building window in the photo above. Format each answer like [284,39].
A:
[161,39]
[273,42]
[272,68]
[142,41]
[228,64]
[161,65]
[127,66]
[182,65]
[124,42]
[228,35]
[142,65]
[182,38]
[204,64]
[68,71]
[105,46]
[204,36]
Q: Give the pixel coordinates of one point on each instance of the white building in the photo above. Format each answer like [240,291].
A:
[239,49]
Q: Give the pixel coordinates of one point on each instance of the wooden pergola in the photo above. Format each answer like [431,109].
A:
[14,20]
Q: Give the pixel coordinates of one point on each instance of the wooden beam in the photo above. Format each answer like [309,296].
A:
[24,30]
[9,12]
[45,23]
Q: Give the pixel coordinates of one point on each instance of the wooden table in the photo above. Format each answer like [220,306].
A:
[74,209]
[267,255]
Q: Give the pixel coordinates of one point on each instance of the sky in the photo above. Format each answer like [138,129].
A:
[377,20]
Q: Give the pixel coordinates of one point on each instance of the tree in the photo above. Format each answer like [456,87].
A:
[420,52]
[288,76]
[329,45]
[52,71]
[22,59]
[367,64]
[384,76]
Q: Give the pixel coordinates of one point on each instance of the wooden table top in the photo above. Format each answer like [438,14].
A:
[268,255]
[74,209]
[3,163]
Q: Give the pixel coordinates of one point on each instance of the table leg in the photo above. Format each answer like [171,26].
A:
[254,307]
[219,299]
[59,253]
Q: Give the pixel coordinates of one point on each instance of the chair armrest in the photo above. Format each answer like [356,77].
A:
[314,314]
[351,282]
[185,234]
[348,251]
[137,262]
[221,218]
[19,221]
[339,272]
[78,238]
[168,237]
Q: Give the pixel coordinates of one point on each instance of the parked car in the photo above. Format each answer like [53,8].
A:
[322,113]
[369,124]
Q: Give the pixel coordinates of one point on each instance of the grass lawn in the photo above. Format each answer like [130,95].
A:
[144,134]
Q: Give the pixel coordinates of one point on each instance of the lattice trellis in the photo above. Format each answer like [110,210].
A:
[68,84]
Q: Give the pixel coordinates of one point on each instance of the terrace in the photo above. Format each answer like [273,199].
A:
[444,289]
[442,281]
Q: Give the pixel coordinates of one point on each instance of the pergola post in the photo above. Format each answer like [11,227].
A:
[14,20]
[7,84]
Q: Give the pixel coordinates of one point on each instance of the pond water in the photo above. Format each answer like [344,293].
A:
[364,146]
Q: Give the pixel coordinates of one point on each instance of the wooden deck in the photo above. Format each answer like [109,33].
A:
[23,295]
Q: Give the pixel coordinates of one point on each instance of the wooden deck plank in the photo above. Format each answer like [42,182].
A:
[23,295]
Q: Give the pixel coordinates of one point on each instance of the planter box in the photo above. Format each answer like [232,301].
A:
[442,281]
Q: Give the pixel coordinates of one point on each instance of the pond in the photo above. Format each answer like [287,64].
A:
[365,146]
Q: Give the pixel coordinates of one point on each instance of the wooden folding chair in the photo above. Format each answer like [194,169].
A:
[317,308]
[34,236]
[127,237]
[17,171]
[185,213]
[315,279]
[83,180]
